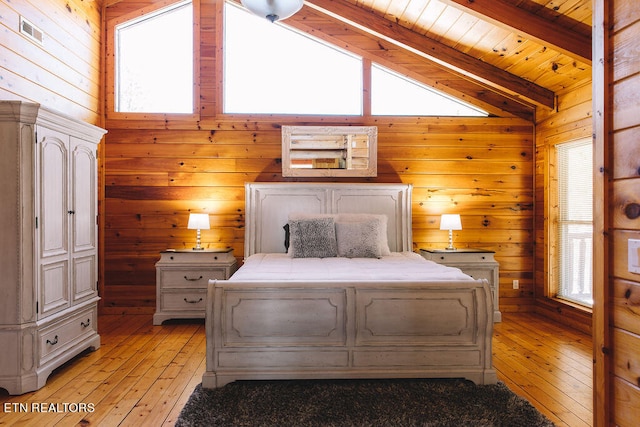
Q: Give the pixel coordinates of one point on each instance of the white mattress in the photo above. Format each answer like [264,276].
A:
[402,266]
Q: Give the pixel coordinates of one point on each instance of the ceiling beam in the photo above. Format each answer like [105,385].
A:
[410,64]
[507,15]
[448,57]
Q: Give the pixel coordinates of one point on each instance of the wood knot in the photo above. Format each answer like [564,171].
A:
[632,210]
[632,299]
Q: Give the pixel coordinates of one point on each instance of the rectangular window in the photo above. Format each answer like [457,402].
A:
[270,68]
[575,221]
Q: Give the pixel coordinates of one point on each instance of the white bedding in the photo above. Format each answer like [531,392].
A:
[402,266]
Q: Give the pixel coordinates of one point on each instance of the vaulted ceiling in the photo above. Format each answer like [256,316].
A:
[506,56]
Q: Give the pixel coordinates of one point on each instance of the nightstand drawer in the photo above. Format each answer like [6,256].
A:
[445,258]
[190,278]
[183,301]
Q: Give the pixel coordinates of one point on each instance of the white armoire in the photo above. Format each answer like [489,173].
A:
[49,242]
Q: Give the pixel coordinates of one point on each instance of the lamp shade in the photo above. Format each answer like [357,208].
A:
[450,222]
[198,221]
[273,10]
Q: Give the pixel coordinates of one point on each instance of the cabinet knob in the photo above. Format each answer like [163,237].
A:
[54,342]
[191,279]
[84,325]
[192,301]
[71,212]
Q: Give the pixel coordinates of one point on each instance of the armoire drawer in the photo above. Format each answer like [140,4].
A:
[60,335]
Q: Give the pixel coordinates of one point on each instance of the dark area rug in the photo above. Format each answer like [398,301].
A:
[359,403]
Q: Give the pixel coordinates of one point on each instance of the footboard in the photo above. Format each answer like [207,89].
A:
[347,329]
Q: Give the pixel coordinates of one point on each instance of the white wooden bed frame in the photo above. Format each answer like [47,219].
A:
[343,329]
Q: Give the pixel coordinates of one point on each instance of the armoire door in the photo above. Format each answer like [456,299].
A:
[52,222]
[83,205]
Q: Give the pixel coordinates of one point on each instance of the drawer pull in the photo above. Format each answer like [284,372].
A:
[191,279]
[192,301]
[54,342]
[85,325]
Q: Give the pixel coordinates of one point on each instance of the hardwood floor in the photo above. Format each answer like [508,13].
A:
[548,365]
[142,375]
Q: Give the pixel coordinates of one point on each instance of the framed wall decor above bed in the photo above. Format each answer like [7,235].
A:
[329,151]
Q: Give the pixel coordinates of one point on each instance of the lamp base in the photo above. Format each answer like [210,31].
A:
[450,247]
[198,247]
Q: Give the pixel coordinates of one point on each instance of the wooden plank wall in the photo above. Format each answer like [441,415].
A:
[571,121]
[624,152]
[481,168]
[63,73]
[157,171]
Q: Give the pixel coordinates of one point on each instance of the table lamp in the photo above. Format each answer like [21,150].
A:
[450,222]
[198,222]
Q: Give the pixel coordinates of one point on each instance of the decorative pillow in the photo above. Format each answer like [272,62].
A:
[313,238]
[299,216]
[378,229]
[358,239]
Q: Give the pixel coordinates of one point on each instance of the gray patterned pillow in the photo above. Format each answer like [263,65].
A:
[376,225]
[313,238]
[358,239]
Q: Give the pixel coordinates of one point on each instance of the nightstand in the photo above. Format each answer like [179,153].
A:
[182,277]
[477,263]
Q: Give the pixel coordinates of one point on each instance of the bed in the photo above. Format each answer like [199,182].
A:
[291,312]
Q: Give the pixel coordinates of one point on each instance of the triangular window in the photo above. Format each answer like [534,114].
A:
[395,95]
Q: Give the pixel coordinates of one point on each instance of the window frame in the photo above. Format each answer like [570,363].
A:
[552,226]
[111,69]
[208,96]
[366,81]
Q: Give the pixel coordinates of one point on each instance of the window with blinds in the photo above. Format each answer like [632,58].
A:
[575,221]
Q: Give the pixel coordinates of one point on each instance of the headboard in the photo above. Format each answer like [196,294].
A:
[268,206]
